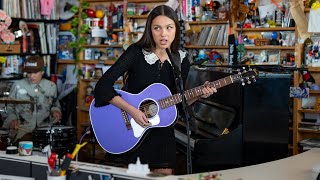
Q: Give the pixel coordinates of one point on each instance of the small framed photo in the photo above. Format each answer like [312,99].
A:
[97,73]
[273,57]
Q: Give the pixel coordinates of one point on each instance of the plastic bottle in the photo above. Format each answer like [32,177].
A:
[105,20]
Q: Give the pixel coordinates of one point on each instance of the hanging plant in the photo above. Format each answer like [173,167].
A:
[77,45]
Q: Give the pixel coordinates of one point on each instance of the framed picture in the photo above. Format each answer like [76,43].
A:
[64,50]
[273,57]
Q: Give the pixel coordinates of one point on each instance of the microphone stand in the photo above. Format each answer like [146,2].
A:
[180,89]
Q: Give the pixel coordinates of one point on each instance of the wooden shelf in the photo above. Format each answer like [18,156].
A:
[102,1]
[102,46]
[266,29]
[89,80]
[314,69]
[117,30]
[136,32]
[269,47]
[27,54]
[309,131]
[106,62]
[206,22]
[145,16]
[96,80]
[66,61]
[83,108]
[36,20]
[314,92]
[309,111]
[147,1]
[206,47]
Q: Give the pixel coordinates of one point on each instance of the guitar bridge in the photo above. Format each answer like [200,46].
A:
[126,119]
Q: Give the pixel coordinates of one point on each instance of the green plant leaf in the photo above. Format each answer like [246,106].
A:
[73,44]
[82,40]
[84,28]
[74,31]
[75,22]
[84,4]
[84,15]
[80,49]
[74,9]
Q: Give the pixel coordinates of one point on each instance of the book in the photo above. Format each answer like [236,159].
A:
[64,50]
[33,38]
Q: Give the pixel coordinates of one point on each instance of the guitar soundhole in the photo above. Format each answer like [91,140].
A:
[149,108]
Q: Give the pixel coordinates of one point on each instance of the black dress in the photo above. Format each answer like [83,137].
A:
[158,147]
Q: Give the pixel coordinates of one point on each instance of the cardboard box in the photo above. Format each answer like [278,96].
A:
[10,48]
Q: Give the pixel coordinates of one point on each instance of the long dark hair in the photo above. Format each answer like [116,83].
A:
[147,42]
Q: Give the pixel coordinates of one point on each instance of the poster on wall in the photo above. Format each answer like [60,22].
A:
[64,50]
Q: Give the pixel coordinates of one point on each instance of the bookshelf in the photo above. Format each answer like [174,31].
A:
[39,38]
[209,36]
[301,114]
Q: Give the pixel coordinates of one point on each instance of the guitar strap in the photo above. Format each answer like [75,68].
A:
[176,63]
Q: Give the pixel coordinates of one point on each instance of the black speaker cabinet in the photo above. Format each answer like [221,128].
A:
[259,132]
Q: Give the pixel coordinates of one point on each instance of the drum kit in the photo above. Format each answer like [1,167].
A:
[62,139]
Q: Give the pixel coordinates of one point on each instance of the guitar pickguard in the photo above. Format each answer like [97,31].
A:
[138,130]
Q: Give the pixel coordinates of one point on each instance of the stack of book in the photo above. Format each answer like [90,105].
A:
[213,36]
[310,143]
[309,126]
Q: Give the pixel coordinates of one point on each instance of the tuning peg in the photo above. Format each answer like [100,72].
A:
[243,83]
[254,80]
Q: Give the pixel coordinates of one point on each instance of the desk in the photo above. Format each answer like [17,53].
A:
[36,166]
[6,177]
[298,167]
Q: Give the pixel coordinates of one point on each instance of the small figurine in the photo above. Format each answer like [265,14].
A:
[202,55]
[89,95]
[97,73]
[316,51]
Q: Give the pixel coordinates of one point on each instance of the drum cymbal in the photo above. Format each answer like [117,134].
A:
[14,101]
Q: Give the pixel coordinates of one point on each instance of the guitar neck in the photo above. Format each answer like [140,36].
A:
[194,92]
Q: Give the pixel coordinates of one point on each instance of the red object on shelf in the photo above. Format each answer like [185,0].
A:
[90,13]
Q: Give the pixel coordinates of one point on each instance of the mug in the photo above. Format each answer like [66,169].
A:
[25,148]
[95,23]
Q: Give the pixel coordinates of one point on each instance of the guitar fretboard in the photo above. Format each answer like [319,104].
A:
[195,92]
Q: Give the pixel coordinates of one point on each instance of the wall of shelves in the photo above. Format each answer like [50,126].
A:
[283,53]
[300,134]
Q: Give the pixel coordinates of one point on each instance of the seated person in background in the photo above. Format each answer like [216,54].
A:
[44,107]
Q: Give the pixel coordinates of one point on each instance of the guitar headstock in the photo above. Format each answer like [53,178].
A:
[246,76]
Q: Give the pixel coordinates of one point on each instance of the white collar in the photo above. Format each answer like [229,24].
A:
[151,57]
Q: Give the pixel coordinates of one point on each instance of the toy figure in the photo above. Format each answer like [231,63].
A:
[89,95]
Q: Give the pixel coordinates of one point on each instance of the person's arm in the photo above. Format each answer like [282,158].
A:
[11,120]
[206,92]
[104,92]
[55,108]
[135,113]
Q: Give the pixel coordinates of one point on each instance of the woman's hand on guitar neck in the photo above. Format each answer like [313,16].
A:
[207,90]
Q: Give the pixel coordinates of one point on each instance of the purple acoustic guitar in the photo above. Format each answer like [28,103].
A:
[117,132]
